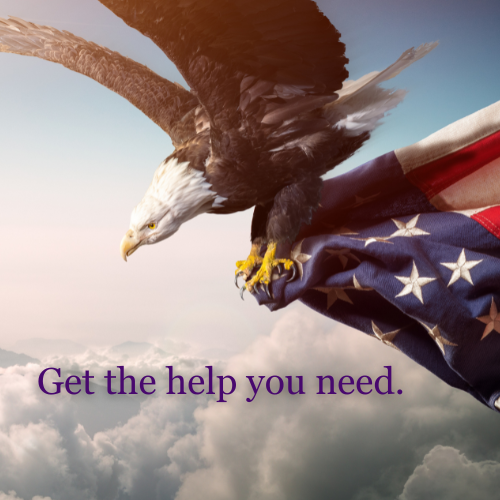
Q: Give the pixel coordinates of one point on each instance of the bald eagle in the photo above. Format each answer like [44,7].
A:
[267,114]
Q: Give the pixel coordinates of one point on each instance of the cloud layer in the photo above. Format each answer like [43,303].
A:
[277,447]
[446,474]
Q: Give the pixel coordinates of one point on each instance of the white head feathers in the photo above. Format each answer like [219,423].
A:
[178,193]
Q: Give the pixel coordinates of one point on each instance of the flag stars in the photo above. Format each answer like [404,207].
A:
[357,285]
[461,268]
[405,230]
[333,294]
[413,284]
[299,258]
[344,254]
[435,334]
[492,320]
[386,338]
[408,229]
[374,239]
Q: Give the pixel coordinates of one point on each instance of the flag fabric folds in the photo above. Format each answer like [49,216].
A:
[406,249]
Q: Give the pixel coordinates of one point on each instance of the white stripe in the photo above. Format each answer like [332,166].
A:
[450,139]
[472,211]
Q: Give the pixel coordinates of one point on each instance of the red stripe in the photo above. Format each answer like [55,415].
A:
[437,175]
[490,220]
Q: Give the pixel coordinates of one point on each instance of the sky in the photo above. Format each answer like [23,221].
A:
[75,159]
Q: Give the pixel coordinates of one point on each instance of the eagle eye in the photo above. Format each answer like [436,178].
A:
[152,225]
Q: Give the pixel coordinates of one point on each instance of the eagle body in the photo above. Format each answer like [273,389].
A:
[248,167]
[269,110]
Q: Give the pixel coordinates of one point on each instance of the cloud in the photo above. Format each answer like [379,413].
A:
[45,450]
[12,495]
[276,447]
[318,446]
[9,358]
[447,474]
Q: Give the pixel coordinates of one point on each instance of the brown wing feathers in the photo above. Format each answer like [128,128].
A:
[166,103]
[253,61]
[288,45]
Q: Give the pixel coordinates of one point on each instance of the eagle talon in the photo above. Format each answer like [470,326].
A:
[264,276]
[294,272]
[241,274]
[242,291]
[246,267]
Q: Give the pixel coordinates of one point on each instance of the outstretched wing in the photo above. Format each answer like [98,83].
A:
[232,52]
[162,101]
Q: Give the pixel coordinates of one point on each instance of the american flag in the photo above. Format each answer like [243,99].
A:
[406,249]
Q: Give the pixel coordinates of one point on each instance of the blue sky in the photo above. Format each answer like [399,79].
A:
[76,158]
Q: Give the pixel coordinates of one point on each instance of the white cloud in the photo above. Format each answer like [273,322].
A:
[447,474]
[276,447]
[44,449]
[12,495]
[312,446]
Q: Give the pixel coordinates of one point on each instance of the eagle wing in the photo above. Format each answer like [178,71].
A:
[162,101]
[237,55]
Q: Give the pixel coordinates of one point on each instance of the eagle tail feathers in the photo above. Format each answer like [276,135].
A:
[362,103]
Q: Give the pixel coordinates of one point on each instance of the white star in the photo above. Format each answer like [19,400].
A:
[413,284]
[386,338]
[461,268]
[357,286]
[492,320]
[344,254]
[407,229]
[333,294]
[437,337]
[299,258]
[373,239]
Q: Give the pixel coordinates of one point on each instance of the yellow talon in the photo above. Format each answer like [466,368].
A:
[244,268]
[264,274]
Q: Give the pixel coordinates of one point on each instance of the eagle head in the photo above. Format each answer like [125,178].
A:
[178,193]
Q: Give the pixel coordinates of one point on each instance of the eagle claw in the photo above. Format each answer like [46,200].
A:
[244,268]
[241,274]
[264,276]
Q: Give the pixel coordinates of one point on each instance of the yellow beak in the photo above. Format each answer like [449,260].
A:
[130,243]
